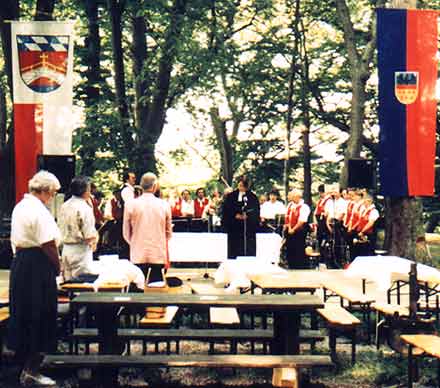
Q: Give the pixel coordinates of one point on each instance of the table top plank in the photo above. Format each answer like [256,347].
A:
[304,280]
[349,293]
[429,343]
[264,302]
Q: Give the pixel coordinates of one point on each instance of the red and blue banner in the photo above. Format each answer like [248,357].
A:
[42,77]
[407,64]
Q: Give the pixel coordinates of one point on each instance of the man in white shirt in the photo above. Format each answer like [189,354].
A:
[187,204]
[127,192]
[335,210]
[270,209]
[77,225]
[296,229]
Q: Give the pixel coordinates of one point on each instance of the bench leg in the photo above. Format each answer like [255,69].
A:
[144,347]
[177,347]
[211,347]
[332,344]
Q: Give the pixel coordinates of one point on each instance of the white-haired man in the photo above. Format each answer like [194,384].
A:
[296,228]
[147,229]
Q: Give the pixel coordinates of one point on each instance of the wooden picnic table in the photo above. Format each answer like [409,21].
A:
[287,311]
[293,281]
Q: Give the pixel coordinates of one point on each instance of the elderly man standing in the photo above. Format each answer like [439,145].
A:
[296,228]
[77,224]
[147,228]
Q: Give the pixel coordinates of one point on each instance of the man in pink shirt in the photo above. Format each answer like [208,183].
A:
[147,228]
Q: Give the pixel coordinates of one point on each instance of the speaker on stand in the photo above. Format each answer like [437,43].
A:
[361,174]
[62,166]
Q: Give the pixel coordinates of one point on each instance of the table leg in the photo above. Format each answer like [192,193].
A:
[286,332]
[107,321]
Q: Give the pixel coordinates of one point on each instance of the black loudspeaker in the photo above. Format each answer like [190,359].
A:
[361,173]
[62,166]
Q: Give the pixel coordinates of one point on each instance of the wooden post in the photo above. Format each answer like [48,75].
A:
[286,377]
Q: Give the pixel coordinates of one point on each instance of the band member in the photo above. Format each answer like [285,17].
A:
[366,241]
[200,203]
[176,205]
[335,210]
[351,218]
[296,229]
[187,204]
[241,216]
[127,195]
[320,214]
[270,209]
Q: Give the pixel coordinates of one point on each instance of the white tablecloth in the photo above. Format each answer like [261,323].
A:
[381,268]
[237,273]
[213,247]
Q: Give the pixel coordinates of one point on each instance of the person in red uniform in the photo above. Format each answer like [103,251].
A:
[200,203]
[366,233]
[320,214]
[296,228]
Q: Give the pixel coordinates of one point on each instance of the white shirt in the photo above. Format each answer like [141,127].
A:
[374,214]
[77,221]
[32,224]
[127,193]
[187,207]
[336,208]
[304,210]
[269,210]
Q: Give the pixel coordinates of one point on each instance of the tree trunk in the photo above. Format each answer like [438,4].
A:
[405,234]
[115,10]
[357,116]
[93,75]
[224,145]
[151,128]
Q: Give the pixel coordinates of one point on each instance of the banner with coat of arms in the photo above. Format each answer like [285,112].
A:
[407,65]
[42,75]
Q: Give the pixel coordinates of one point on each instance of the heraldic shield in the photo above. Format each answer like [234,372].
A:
[43,61]
[406,86]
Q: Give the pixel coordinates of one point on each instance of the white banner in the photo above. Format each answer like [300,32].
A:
[42,66]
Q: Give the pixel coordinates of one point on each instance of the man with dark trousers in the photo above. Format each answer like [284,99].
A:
[241,216]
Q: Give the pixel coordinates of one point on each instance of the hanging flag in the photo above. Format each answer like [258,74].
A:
[407,64]
[42,77]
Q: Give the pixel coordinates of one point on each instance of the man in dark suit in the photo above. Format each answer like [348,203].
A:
[241,215]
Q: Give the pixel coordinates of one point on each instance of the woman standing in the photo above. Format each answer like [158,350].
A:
[33,289]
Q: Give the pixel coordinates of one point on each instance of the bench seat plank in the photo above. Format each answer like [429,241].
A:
[186,361]
[337,315]
[197,335]
[429,343]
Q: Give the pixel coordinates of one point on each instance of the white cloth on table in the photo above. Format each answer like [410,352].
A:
[237,273]
[32,225]
[112,270]
[380,269]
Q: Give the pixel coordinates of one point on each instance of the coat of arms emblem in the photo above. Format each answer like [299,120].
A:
[406,86]
[43,61]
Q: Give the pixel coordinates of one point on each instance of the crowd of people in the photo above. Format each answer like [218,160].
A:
[143,218]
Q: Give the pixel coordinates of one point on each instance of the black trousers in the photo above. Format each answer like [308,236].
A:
[295,250]
[236,244]
[155,274]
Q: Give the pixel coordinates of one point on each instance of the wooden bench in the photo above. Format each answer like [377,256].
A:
[205,335]
[425,345]
[339,319]
[107,366]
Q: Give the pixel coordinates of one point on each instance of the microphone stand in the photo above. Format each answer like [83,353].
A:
[244,212]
